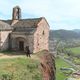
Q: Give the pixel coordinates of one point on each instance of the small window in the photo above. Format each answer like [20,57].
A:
[43,33]
[38,44]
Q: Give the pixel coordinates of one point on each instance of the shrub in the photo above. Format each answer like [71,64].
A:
[6,76]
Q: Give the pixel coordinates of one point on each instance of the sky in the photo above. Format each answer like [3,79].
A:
[60,14]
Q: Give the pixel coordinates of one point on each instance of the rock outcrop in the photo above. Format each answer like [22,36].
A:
[48,68]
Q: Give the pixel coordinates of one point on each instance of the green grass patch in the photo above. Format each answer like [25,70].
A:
[6,51]
[20,69]
[59,64]
[75,50]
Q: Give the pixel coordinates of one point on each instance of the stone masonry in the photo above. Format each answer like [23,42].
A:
[18,33]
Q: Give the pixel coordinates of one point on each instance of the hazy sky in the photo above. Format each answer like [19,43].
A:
[60,14]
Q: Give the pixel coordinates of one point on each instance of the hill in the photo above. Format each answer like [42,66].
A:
[65,34]
[40,66]
[77,30]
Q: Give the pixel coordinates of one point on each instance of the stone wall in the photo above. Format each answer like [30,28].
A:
[15,38]
[4,40]
[0,40]
[31,42]
[27,39]
[41,36]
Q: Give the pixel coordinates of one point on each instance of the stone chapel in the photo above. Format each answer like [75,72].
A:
[17,33]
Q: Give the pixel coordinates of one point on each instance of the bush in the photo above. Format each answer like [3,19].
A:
[6,76]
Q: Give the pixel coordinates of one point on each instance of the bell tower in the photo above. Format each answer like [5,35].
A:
[16,15]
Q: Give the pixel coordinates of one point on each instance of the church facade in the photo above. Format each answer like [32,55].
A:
[18,33]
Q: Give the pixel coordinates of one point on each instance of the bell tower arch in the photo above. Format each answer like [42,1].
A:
[16,15]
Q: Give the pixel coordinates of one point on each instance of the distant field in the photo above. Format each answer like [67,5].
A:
[59,64]
[75,50]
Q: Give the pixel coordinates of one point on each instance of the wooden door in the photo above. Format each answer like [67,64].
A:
[21,45]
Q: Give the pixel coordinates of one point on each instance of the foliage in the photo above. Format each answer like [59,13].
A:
[75,50]
[6,76]
[76,61]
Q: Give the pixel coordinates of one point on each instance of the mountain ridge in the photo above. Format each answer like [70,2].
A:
[63,34]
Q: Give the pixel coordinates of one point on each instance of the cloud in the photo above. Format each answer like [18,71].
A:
[59,13]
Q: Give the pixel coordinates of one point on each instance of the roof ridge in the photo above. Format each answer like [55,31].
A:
[23,19]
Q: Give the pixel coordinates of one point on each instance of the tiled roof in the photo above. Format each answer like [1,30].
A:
[27,22]
[4,26]
[24,29]
[7,21]
[24,25]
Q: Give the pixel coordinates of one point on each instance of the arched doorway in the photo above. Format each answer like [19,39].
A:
[21,43]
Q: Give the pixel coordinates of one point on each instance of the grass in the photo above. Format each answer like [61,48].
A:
[20,69]
[27,68]
[6,52]
[75,50]
[59,64]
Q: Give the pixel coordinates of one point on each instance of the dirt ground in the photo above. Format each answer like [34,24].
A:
[5,56]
